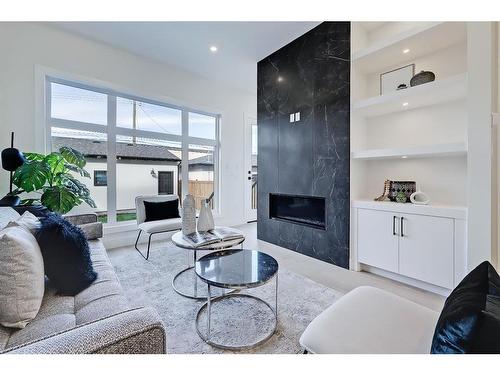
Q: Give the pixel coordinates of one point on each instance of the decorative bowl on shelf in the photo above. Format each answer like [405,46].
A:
[424,76]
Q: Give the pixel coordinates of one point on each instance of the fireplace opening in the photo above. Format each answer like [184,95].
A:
[298,209]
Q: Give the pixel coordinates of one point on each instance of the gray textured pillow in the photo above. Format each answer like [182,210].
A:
[27,221]
[22,280]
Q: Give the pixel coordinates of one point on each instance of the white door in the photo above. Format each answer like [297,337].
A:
[426,249]
[250,173]
[378,239]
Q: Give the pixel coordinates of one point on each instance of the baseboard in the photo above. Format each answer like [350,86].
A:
[407,280]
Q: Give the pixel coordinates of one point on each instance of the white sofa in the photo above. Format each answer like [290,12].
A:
[157,226]
[368,320]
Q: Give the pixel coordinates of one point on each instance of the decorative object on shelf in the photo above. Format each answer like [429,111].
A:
[402,87]
[419,197]
[50,175]
[395,79]
[12,159]
[405,187]
[385,195]
[401,197]
[188,215]
[422,77]
[205,219]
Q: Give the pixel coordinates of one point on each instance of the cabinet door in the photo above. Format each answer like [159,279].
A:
[426,249]
[377,243]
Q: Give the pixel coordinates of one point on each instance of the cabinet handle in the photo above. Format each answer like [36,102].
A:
[402,219]
[394,225]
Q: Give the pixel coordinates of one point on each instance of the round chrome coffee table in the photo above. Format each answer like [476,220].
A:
[236,269]
[179,241]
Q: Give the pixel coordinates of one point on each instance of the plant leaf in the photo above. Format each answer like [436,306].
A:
[76,169]
[32,175]
[59,199]
[55,162]
[73,156]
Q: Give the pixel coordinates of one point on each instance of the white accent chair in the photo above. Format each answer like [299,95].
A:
[157,226]
[368,320]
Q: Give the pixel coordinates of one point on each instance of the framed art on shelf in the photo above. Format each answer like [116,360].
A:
[396,79]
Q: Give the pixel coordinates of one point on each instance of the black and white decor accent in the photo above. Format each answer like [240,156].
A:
[304,140]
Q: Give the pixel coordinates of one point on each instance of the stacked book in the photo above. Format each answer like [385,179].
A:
[198,239]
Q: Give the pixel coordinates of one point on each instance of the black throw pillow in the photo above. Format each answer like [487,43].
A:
[66,255]
[161,210]
[470,319]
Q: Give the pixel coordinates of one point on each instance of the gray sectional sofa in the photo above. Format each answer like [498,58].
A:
[97,320]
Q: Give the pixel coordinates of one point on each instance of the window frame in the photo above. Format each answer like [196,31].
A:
[112,131]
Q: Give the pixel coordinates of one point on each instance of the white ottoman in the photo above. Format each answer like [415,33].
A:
[369,320]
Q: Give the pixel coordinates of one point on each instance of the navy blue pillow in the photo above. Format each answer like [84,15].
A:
[66,255]
[161,210]
[470,319]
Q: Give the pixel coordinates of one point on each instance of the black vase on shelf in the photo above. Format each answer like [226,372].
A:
[424,76]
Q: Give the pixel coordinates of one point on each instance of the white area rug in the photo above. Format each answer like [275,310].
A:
[234,321]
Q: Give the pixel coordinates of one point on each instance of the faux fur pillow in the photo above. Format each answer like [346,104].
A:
[66,255]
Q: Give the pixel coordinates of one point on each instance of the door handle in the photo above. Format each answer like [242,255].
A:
[394,225]
[402,233]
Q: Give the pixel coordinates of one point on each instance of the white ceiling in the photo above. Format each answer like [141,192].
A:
[186,44]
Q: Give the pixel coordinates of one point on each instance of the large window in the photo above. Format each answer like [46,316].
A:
[133,146]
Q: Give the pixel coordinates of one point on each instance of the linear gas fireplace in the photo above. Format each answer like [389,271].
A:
[298,209]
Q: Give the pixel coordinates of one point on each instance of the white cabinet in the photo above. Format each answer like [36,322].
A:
[426,249]
[424,246]
[378,246]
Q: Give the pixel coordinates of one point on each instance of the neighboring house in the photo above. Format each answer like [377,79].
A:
[141,169]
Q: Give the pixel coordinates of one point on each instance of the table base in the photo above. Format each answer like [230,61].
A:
[241,347]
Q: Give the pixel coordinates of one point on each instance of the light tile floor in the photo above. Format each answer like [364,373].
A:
[336,277]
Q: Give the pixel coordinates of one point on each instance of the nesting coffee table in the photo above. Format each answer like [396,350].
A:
[236,270]
[179,241]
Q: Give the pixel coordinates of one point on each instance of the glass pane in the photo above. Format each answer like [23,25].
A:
[132,114]
[201,173]
[94,146]
[201,126]
[71,103]
[144,166]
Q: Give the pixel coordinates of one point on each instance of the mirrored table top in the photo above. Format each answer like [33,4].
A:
[236,268]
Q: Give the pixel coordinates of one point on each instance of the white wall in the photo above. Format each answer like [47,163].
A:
[25,46]
[481,102]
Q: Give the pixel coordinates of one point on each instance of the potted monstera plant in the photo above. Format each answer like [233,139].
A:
[53,177]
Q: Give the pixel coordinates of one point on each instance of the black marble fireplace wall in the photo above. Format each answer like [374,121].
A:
[309,157]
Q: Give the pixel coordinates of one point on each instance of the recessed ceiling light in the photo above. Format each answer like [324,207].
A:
[405,104]
[280,79]
[404,157]
[406,50]
[213,49]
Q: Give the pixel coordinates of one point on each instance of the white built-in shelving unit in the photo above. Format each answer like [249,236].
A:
[418,133]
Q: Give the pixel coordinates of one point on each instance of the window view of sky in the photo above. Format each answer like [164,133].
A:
[75,104]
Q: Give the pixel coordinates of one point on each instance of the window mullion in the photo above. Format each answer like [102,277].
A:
[185,154]
[111,160]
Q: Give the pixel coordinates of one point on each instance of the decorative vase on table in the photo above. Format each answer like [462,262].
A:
[188,215]
[205,219]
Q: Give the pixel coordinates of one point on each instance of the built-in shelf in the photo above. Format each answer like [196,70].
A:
[437,150]
[456,212]
[420,40]
[439,91]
